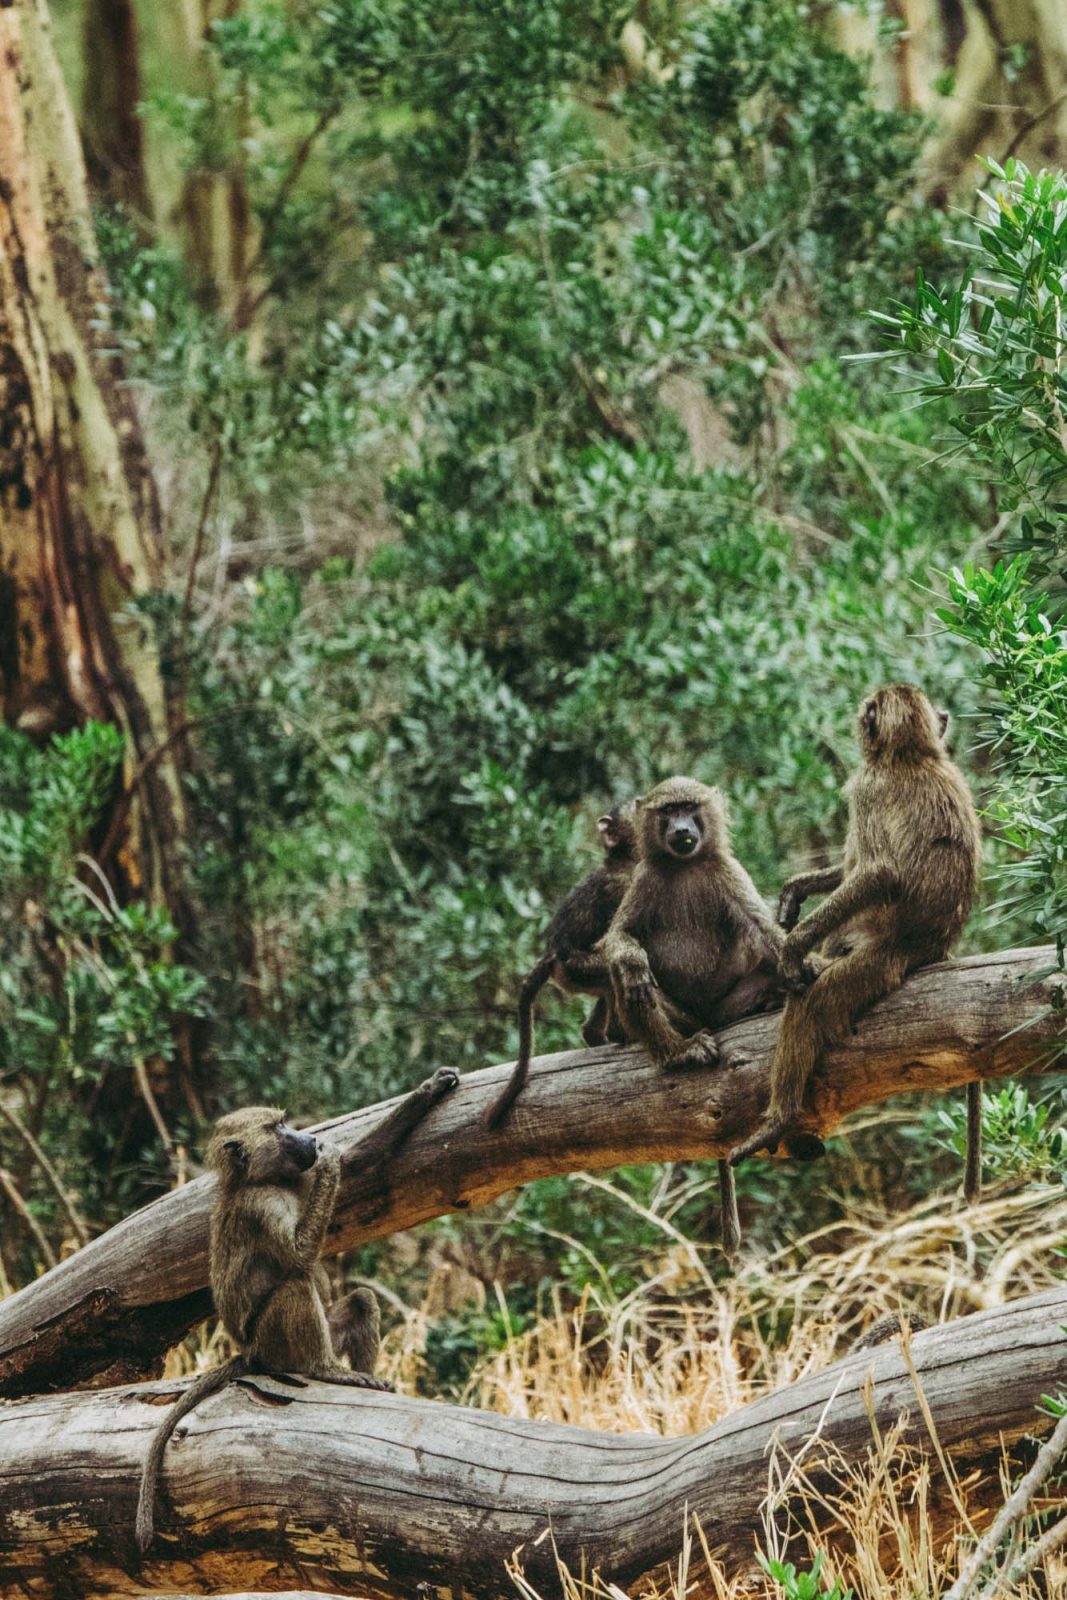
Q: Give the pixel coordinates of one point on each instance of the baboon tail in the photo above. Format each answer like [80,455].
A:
[729,1220]
[208,1383]
[532,985]
[972,1176]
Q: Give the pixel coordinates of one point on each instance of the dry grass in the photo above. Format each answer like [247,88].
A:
[683,1350]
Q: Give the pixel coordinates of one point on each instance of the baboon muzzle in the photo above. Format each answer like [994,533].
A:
[301,1148]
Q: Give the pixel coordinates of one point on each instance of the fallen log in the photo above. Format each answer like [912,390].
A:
[279,1484]
[110,1312]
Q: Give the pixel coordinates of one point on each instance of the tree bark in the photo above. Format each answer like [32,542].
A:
[79,516]
[112,132]
[1010,92]
[214,212]
[282,1482]
[110,1312]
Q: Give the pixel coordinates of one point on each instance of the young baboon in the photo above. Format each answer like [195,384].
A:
[887,1328]
[273,1205]
[897,902]
[692,946]
[568,962]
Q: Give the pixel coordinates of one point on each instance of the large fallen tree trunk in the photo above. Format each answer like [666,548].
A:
[371,1494]
[111,1311]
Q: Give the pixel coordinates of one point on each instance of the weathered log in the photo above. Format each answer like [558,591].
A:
[274,1483]
[111,1311]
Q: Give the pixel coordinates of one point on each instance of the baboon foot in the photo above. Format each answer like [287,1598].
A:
[797,973]
[593,1034]
[766,1137]
[774,1132]
[699,1051]
[444,1080]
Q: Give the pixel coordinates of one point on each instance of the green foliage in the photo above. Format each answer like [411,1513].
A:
[997,341]
[87,987]
[1019,1136]
[809,1585]
[513,286]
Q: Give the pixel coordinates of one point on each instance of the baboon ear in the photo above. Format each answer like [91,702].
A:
[942,723]
[235,1152]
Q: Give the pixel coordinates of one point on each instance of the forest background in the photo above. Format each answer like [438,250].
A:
[520,401]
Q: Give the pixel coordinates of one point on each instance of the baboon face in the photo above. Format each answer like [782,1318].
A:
[257,1145]
[618,835]
[900,718]
[681,819]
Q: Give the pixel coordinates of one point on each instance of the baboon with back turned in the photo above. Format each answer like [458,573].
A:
[897,902]
[568,961]
[273,1206]
[692,946]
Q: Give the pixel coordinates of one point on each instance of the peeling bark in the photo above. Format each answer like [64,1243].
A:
[79,515]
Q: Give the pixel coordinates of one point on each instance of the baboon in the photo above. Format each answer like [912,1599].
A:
[692,946]
[897,902]
[568,962]
[273,1206]
[886,1328]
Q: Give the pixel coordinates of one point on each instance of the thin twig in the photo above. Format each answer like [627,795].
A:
[1015,1508]
[246,308]
[214,473]
[1030,124]
[7,1183]
[1051,1540]
[140,1072]
[48,1169]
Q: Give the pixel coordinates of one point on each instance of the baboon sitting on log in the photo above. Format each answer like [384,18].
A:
[275,1199]
[897,902]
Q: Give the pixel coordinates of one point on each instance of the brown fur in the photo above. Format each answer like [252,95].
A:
[692,947]
[897,902]
[568,962]
[887,1328]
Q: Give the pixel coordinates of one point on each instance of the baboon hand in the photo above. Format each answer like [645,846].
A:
[797,972]
[636,984]
[329,1158]
[789,904]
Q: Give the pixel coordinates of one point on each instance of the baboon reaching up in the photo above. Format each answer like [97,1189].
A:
[898,901]
[692,947]
[568,961]
[275,1199]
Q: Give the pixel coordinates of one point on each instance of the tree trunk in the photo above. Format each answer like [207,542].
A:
[1009,95]
[111,1311]
[79,530]
[283,1482]
[214,212]
[112,133]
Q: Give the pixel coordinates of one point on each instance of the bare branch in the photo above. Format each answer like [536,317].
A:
[114,1308]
